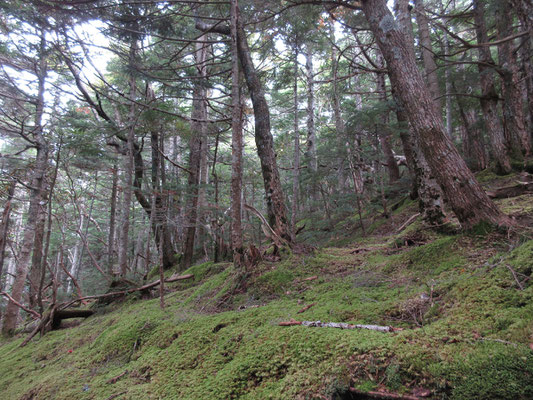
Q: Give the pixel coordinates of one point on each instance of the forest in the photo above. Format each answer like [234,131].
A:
[181,179]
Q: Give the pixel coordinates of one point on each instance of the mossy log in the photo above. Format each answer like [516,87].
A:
[511,191]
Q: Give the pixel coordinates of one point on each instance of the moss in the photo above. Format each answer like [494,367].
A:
[474,341]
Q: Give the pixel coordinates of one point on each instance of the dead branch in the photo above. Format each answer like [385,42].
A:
[28,310]
[515,277]
[306,308]
[339,325]
[311,278]
[401,228]
[267,229]
[116,378]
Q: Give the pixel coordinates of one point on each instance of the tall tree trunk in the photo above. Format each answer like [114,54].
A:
[296,136]
[37,254]
[447,78]
[112,218]
[383,132]
[198,127]
[489,97]
[275,199]
[236,145]
[467,198]
[4,227]
[129,164]
[37,184]
[75,261]
[340,127]
[311,157]
[425,186]
[518,139]
[430,67]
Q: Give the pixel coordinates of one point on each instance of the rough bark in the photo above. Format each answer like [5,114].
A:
[489,97]
[425,187]
[466,197]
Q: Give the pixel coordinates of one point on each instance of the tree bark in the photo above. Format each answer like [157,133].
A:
[112,218]
[296,136]
[199,130]
[518,139]
[37,184]
[4,227]
[311,157]
[430,67]
[236,146]
[275,199]
[467,198]
[489,97]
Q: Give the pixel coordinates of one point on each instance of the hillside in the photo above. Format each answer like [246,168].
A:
[463,300]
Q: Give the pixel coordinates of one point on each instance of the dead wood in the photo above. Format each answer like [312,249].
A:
[304,309]
[311,278]
[339,325]
[404,225]
[28,310]
[116,378]
[113,396]
[383,395]
[511,191]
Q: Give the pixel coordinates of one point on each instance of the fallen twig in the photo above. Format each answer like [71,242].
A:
[311,278]
[411,219]
[340,325]
[515,277]
[306,308]
[113,396]
[116,378]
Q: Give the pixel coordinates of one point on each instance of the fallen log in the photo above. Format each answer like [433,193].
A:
[60,315]
[511,191]
[383,395]
[339,325]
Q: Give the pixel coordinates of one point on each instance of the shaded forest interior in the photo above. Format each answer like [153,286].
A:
[142,139]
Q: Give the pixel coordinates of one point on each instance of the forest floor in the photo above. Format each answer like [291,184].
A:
[464,302]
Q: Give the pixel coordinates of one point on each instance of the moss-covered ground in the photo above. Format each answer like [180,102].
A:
[464,301]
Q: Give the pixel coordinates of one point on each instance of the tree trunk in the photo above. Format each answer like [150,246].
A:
[312,161]
[383,131]
[430,68]
[447,78]
[518,139]
[296,136]
[489,98]
[425,187]
[275,199]
[473,145]
[37,184]
[112,217]
[236,146]
[4,227]
[467,198]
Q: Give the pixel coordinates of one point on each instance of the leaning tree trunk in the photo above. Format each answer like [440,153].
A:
[489,97]
[429,194]
[275,199]
[465,195]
